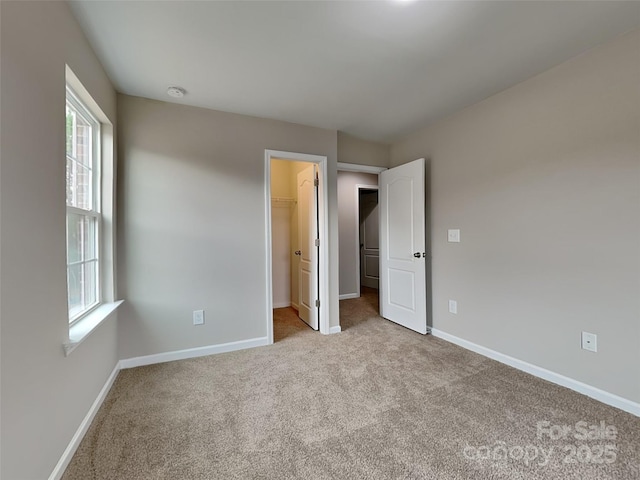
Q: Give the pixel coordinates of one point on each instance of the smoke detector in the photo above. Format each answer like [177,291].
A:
[176,92]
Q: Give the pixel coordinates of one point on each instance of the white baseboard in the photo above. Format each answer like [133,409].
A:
[335,329]
[295,306]
[588,390]
[193,352]
[68,453]
[282,305]
[347,296]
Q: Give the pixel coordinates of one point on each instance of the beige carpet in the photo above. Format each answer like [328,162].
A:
[374,402]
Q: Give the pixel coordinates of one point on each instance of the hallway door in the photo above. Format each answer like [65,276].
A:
[307,246]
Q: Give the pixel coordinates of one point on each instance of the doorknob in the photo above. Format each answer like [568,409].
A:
[417,255]
[298,252]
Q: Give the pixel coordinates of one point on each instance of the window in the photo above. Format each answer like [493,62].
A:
[90,192]
[84,219]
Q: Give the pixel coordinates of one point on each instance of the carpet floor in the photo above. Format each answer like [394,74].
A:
[376,401]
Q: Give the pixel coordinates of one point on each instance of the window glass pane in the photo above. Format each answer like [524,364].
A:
[71,121]
[83,186]
[83,141]
[90,240]
[79,185]
[83,287]
[81,238]
[79,136]
[90,286]
[74,237]
[70,181]
[74,282]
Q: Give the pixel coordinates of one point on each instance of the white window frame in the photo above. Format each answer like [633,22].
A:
[96,196]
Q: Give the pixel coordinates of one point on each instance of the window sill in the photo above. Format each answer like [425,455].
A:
[83,328]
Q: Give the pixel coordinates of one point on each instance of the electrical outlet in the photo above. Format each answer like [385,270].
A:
[589,341]
[453,235]
[453,307]
[198,317]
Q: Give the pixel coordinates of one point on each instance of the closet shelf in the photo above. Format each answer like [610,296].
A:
[282,201]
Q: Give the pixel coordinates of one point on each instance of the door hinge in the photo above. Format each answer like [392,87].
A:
[318,303]
[317,242]
[316,182]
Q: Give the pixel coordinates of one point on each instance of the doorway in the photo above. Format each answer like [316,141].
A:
[358,239]
[352,180]
[403,256]
[368,258]
[310,257]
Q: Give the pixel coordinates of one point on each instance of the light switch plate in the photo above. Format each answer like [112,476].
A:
[453,307]
[453,235]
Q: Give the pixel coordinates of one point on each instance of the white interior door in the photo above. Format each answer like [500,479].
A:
[307,249]
[403,294]
[369,238]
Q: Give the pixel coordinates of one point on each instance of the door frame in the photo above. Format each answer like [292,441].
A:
[359,187]
[323,228]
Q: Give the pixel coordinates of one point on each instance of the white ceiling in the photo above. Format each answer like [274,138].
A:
[377,70]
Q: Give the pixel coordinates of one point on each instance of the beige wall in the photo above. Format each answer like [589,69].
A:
[348,226]
[192,224]
[543,180]
[281,233]
[363,152]
[281,185]
[281,255]
[45,395]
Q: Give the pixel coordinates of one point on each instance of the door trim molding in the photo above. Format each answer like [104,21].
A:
[323,216]
[358,187]
[355,167]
